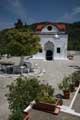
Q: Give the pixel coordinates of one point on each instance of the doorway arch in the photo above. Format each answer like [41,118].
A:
[49,55]
[49,50]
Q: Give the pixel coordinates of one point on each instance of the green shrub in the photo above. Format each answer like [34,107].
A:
[46,99]
[24,90]
[65,84]
[69,81]
[21,93]
[76,76]
[46,90]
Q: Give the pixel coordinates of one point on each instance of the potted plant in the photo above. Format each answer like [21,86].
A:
[76,78]
[71,86]
[45,101]
[46,90]
[65,87]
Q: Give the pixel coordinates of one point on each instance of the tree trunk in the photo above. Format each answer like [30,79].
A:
[21,64]
[21,60]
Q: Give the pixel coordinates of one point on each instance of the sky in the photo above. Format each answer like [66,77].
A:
[32,11]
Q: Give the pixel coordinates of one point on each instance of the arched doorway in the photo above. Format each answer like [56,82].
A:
[49,55]
[49,50]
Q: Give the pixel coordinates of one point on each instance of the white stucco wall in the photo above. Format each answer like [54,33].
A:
[59,42]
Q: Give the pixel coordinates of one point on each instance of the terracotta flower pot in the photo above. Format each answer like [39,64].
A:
[59,102]
[44,106]
[66,94]
[26,116]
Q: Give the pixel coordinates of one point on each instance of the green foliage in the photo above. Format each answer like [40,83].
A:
[69,81]
[65,84]
[75,76]
[23,34]
[19,42]
[23,91]
[46,90]
[74,36]
[46,94]
[18,24]
[46,99]
[15,48]
[3,42]
[16,115]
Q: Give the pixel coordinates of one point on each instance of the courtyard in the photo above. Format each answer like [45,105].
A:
[51,72]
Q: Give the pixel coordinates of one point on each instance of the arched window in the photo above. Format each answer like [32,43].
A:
[40,50]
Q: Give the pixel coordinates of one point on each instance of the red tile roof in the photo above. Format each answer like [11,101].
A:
[61,27]
[40,27]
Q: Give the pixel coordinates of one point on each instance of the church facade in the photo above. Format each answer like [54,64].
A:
[53,40]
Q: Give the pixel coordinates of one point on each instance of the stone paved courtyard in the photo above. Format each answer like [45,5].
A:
[53,73]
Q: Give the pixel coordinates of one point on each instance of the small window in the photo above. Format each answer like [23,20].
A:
[58,50]
[40,50]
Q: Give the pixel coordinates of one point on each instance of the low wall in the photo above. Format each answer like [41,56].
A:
[71,52]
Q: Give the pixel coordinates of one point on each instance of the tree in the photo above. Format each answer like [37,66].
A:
[18,24]
[27,43]
[74,37]
[3,42]
[22,92]
[19,42]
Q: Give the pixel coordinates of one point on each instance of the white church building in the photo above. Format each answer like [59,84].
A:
[53,40]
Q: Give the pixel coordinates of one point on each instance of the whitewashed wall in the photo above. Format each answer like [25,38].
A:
[60,41]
